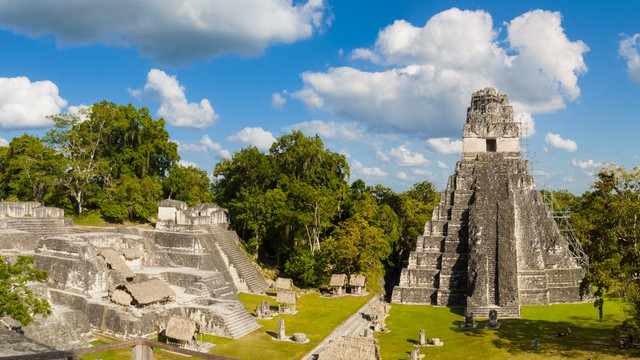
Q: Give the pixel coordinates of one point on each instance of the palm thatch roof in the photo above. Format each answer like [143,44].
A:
[284,283]
[338,280]
[114,261]
[145,292]
[357,280]
[286,297]
[351,348]
[180,328]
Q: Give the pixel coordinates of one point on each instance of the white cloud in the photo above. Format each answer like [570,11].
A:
[442,165]
[360,170]
[174,106]
[3,142]
[329,130]
[26,105]
[278,100]
[186,164]
[403,176]
[257,137]
[629,51]
[429,72]
[586,165]
[422,172]
[406,157]
[173,31]
[557,141]
[381,155]
[527,125]
[204,145]
[445,146]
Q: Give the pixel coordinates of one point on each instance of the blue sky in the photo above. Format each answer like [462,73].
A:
[384,83]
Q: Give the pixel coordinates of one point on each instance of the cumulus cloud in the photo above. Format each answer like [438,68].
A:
[557,141]
[257,137]
[585,165]
[442,165]
[527,125]
[174,106]
[186,164]
[629,51]
[445,146]
[360,170]
[3,142]
[405,157]
[25,104]
[403,175]
[204,145]
[173,31]
[427,73]
[329,129]
[278,100]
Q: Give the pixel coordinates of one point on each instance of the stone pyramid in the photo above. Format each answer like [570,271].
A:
[492,242]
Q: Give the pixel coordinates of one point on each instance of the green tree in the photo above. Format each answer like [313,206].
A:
[17,299]
[188,184]
[607,222]
[80,143]
[107,147]
[30,170]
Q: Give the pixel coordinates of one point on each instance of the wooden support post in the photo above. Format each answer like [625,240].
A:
[142,352]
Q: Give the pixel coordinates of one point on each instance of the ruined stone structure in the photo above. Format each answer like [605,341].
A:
[491,243]
[131,281]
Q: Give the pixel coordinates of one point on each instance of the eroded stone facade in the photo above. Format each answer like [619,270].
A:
[198,262]
[491,243]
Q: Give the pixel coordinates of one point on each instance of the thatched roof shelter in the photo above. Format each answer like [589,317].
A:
[144,293]
[114,261]
[357,280]
[284,283]
[180,328]
[351,348]
[338,280]
[286,297]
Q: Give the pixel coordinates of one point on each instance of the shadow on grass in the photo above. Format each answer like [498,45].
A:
[517,335]
[458,310]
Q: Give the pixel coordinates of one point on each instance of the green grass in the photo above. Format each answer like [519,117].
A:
[316,317]
[590,338]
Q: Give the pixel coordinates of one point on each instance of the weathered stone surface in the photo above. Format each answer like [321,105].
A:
[492,242]
[202,265]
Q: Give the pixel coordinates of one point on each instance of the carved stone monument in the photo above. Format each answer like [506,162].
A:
[422,340]
[492,242]
[281,335]
[493,319]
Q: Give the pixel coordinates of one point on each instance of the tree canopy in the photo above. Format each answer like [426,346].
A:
[607,221]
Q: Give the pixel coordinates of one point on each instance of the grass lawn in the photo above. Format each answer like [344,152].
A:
[316,317]
[590,338]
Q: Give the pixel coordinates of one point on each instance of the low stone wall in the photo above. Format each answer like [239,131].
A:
[29,209]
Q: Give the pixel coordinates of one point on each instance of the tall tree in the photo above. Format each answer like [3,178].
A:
[80,143]
[107,148]
[608,224]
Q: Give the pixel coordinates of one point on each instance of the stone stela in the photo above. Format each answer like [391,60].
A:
[492,243]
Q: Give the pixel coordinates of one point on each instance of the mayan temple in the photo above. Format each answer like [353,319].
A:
[492,242]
